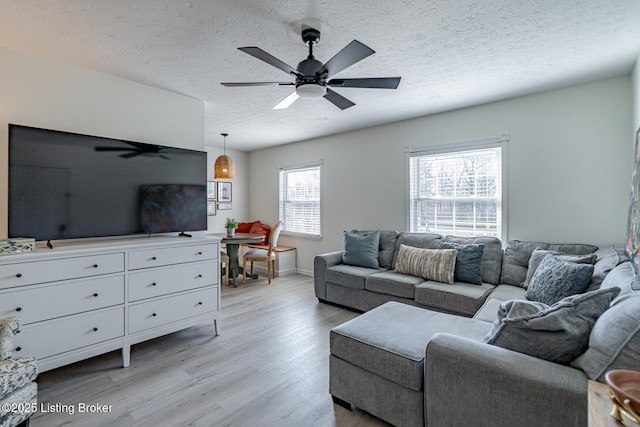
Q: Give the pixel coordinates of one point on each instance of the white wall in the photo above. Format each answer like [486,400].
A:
[239,189]
[569,167]
[43,93]
[635,78]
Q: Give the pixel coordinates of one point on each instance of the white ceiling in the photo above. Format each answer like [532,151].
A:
[449,53]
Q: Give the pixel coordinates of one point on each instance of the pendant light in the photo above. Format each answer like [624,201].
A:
[224,168]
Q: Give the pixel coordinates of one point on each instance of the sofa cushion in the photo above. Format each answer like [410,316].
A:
[350,276]
[461,298]
[614,342]
[624,277]
[607,259]
[387,246]
[16,373]
[538,255]
[393,283]
[361,249]
[489,310]
[518,253]
[430,264]
[417,240]
[558,333]
[554,280]
[491,256]
[468,267]
[391,340]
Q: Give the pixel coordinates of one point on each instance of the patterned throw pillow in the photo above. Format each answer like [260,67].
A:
[539,254]
[8,328]
[559,333]
[468,262]
[431,264]
[554,280]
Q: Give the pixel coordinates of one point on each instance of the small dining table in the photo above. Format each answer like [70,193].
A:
[233,248]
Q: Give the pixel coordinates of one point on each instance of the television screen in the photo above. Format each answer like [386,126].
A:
[64,185]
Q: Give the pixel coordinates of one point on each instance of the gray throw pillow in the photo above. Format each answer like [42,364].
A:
[538,255]
[558,333]
[468,262]
[361,249]
[555,279]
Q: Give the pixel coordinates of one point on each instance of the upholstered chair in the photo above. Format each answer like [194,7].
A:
[17,379]
[224,263]
[264,255]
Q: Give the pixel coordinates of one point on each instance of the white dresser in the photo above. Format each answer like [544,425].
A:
[79,300]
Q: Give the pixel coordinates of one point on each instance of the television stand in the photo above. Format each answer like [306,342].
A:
[183,234]
[49,244]
[77,301]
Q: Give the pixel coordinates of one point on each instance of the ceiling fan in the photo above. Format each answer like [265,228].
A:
[137,149]
[313,78]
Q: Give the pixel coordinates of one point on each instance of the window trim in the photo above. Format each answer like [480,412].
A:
[498,141]
[294,166]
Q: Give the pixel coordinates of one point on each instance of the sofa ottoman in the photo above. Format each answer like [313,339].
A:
[377,359]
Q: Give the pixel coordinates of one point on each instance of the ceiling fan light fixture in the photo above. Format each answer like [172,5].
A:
[224,169]
[311,90]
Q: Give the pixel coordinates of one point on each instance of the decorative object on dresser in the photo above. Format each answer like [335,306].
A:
[18,390]
[17,245]
[105,295]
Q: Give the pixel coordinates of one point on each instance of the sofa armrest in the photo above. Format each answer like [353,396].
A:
[468,381]
[320,265]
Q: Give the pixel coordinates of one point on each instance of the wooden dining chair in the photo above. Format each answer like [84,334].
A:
[224,262]
[264,255]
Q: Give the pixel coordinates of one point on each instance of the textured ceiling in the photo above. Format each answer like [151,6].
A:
[450,54]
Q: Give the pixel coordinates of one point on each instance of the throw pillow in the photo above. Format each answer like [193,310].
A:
[555,279]
[431,264]
[361,249]
[260,228]
[558,333]
[538,255]
[468,262]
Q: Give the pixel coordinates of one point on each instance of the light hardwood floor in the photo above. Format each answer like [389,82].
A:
[268,367]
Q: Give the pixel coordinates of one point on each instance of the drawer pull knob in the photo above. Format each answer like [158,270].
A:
[95,265]
[199,275]
[95,329]
[154,314]
[153,258]
[200,303]
[19,309]
[153,284]
[95,295]
[19,275]
[18,348]
[199,253]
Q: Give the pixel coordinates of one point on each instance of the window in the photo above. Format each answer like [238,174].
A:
[300,199]
[457,189]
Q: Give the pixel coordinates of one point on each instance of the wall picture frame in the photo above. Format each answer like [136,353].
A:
[211,207]
[211,190]
[224,192]
[224,206]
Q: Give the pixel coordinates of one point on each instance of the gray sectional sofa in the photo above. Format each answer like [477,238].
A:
[418,355]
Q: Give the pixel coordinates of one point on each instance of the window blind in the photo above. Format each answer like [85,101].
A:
[300,199]
[456,192]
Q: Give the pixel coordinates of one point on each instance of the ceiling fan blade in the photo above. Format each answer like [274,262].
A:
[285,103]
[349,55]
[243,84]
[269,59]
[372,83]
[338,100]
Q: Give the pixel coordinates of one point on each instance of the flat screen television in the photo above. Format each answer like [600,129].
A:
[66,186]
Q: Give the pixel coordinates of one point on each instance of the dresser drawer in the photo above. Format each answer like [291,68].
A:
[166,310]
[29,273]
[57,336]
[175,255]
[51,301]
[164,281]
